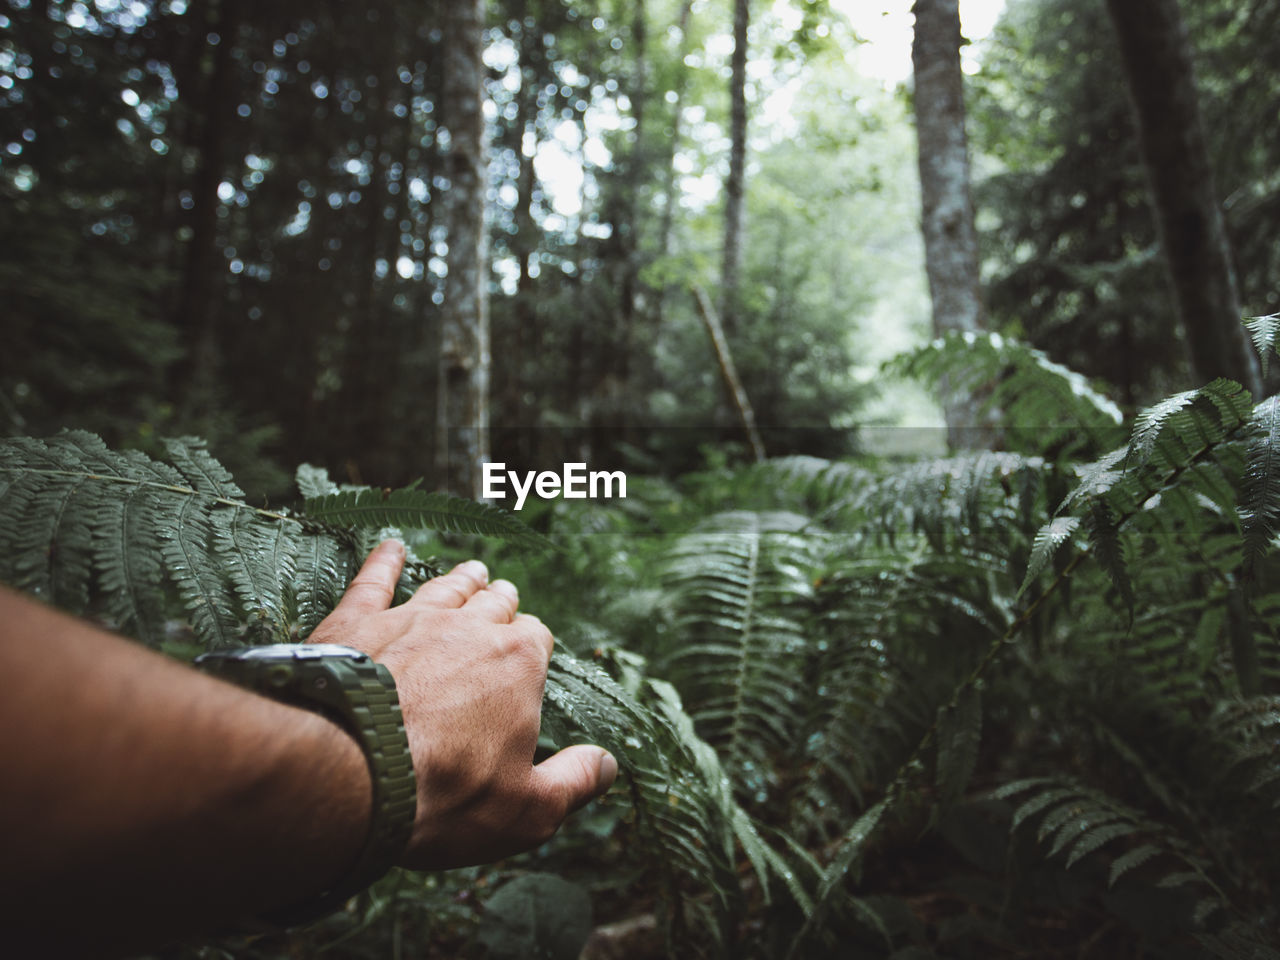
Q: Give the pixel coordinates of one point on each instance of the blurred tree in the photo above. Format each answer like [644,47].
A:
[950,238]
[1157,60]
[462,411]
[731,262]
[1070,246]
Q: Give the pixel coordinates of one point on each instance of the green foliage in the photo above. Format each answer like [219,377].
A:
[106,533]
[1052,673]
[1042,405]
[1264,330]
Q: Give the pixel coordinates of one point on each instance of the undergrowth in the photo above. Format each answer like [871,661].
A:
[1022,702]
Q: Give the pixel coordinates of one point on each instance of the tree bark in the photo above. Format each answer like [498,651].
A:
[1156,54]
[731,265]
[950,238]
[462,412]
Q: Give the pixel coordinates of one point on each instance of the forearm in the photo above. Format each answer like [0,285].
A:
[166,802]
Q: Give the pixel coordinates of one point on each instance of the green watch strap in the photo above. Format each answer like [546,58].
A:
[360,695]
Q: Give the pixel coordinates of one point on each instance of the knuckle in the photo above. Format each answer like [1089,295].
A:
[510,643]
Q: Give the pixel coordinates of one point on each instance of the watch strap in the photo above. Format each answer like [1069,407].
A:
[359,695]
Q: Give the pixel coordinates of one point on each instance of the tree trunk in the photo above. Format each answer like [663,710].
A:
[462,412]
[950,239]
[731,266]
[1156,54]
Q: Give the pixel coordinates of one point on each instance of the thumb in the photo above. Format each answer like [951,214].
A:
[374,586]
[574,776]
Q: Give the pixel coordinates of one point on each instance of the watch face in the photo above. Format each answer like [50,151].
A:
[297,651]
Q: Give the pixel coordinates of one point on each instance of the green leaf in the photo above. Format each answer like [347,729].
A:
[1131,859]
[416,509]
[313,481]
[1264,330]
[1048,539]
[1260,491]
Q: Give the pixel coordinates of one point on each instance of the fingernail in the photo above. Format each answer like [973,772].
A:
[607,773]
[475,569]
[506,588]
[392,546]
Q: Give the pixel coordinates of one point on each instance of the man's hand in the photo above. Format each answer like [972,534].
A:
[470,672]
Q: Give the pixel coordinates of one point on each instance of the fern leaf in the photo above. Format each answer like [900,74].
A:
[1152,421]
[324,568]
[260,557]
[205,474]
[1040,802]
[1016,787]
[959,737]
[186,547]
[313,481]
[416,509]
[1130,860]
[1108,549]
[1043,403]
[1048,539]
[127,553]
[848,856]
[1095,838]
[1264,330]
[1260,494]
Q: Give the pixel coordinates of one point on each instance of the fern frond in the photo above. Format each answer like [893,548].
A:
[261,560]
[1260,495]
[88,527]
[198,467]
[1080,821]
[187,548]
[846,861]
[738,589]
[678,788]
[1264,331]
[325,566]
[1048,540]
[1043,404]
[313,481]
[412,509]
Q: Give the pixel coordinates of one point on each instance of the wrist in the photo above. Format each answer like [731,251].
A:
[345,686]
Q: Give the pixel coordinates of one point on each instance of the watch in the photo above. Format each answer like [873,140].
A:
[359,695]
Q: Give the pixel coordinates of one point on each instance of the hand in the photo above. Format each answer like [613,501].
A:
[470,672]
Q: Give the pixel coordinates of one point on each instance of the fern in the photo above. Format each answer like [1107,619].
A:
[92,529]
[738,590]
[1042,405]
[1260,502]
[1264,331]
[413,509]
[1079,821]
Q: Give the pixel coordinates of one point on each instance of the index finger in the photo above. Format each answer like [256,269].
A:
[374,587]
